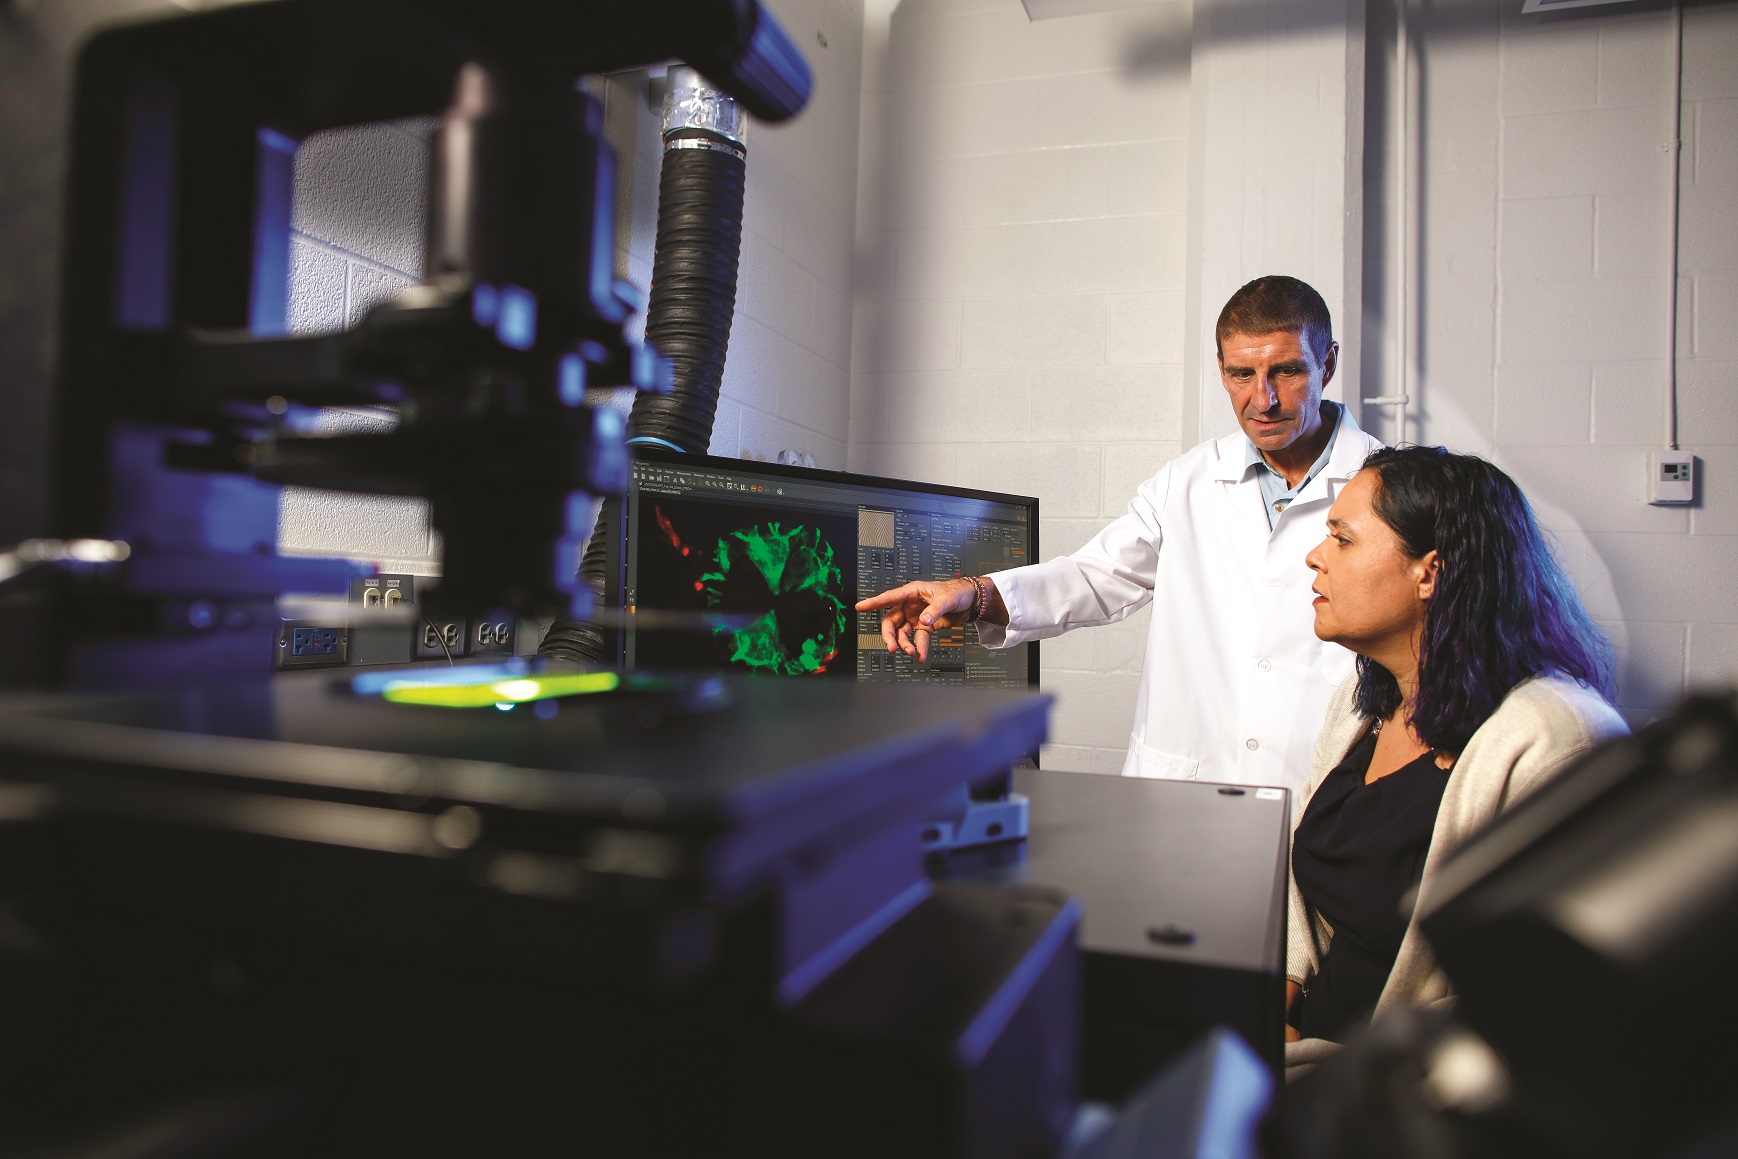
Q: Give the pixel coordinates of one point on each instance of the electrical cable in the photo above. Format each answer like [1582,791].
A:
[440,639]
[1676,148]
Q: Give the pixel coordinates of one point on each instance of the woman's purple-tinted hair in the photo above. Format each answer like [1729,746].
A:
[1503,609]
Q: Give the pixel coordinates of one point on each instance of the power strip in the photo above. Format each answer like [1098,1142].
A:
[421,637]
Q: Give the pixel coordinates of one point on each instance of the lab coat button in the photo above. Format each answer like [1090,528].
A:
[1251,744]
[1266,666]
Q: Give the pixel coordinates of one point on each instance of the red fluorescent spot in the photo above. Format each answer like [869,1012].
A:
[686,550]
[698,586]
[669,531]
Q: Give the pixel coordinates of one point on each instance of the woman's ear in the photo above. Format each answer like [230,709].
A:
[1425,571]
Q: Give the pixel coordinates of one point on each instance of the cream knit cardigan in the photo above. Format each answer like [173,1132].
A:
[1542,725]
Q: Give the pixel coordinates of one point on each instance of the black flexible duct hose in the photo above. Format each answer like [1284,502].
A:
[693,285]
[693,299]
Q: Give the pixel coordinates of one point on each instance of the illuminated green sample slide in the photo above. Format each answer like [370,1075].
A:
[502,693]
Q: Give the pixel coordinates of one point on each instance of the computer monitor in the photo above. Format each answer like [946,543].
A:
[782,555]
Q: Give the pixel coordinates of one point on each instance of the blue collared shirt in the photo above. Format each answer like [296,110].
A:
[1275,495]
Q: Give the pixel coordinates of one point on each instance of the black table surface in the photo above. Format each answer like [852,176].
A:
[783,759]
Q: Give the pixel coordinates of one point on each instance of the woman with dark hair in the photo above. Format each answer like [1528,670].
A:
[1479,675]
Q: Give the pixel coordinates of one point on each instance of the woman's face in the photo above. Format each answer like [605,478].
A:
[1370,596]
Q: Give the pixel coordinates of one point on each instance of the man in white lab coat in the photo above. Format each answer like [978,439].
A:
[1235,683]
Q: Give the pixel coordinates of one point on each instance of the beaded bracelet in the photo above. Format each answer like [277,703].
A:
[982,603]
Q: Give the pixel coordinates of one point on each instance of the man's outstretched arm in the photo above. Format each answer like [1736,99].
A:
[909,614]
[1109,578]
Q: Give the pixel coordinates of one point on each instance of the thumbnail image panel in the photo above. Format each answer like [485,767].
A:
[786,582]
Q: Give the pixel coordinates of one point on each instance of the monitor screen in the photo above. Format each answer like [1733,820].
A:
[782,554]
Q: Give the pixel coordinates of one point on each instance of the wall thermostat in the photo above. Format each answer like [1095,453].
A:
[1671,478]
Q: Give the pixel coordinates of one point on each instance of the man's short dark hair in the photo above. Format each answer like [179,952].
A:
[1276,302]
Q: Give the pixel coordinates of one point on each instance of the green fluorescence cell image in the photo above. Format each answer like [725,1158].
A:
[792,576]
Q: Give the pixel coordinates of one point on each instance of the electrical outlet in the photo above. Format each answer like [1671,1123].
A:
[383,591]
[314,641]
[492,633]
[440,639]
[393,639]
[305,645]
[1671,478]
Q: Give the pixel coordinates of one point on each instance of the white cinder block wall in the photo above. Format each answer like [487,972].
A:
[787,379]
[1021,228]
[1544,324]
[358,236]
[1275,171]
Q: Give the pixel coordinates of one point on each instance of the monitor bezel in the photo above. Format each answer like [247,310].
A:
[615,555]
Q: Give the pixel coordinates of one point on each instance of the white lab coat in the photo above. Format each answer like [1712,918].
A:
[1235,684]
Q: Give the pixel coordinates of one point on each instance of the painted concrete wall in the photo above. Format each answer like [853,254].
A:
[357,238]
[1019,313]
[1275,175]
[1541,298]
[787,380]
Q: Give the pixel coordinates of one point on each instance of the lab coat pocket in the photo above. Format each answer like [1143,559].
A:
[1152,762]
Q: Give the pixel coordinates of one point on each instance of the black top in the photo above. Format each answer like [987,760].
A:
[1358,851]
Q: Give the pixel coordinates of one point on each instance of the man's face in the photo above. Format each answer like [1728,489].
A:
[1275,382]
